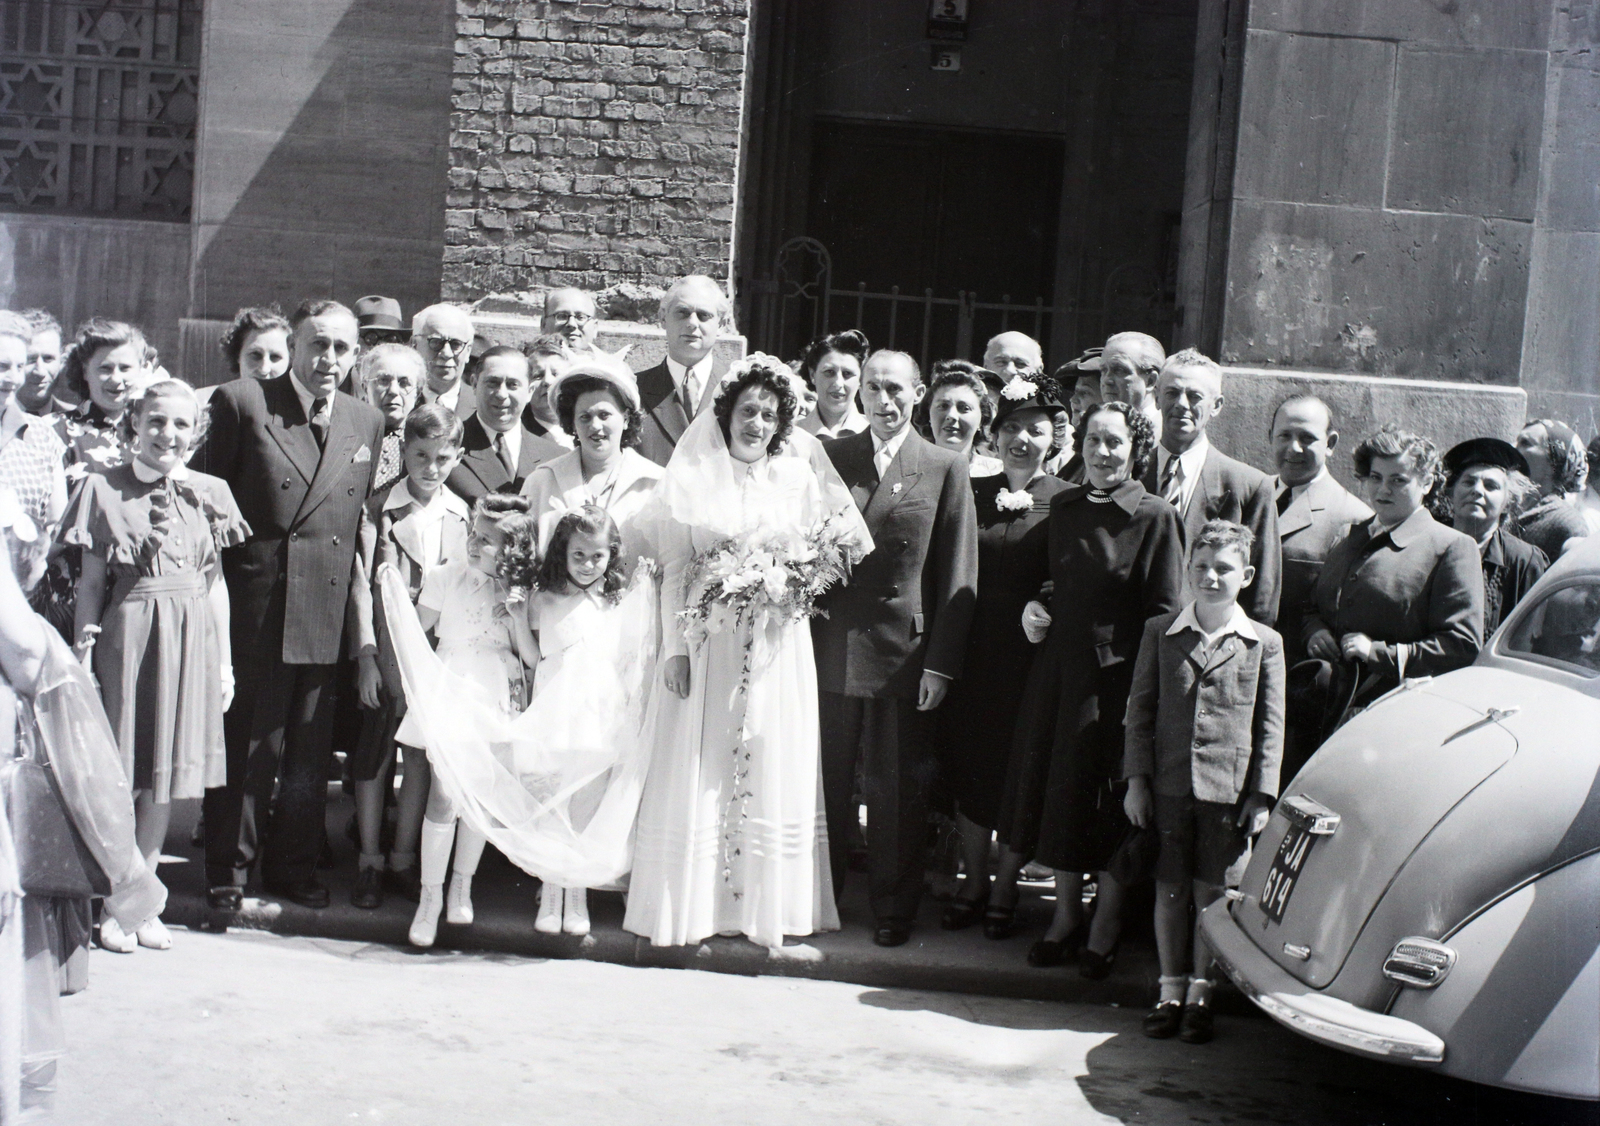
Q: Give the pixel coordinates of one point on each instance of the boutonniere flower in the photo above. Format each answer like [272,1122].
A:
[1019,389]
[1007,501]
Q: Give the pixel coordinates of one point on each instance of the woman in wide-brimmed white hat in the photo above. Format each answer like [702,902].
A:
[597,402]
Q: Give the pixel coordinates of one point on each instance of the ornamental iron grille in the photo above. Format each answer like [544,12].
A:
[98,103]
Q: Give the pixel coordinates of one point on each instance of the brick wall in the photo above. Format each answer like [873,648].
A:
[592,143]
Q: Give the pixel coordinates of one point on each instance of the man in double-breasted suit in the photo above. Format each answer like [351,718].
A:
[1314,510]
[1205,484]
[442,336]
[300,457]
[497,450]
[893,638]
[1314,513]
[693,313]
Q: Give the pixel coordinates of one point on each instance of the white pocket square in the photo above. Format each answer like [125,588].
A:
[362,455]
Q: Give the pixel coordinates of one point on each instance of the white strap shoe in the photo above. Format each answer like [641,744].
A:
[154,935]
[425,923]
[114,938]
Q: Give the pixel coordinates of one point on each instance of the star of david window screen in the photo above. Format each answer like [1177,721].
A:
[98,105]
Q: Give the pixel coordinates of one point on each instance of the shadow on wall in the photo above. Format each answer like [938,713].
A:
[78,267]
[324,156]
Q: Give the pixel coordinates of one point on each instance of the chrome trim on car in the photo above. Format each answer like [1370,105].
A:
[1312,816]
[1418,962]
[1312,1014]
[1300,953]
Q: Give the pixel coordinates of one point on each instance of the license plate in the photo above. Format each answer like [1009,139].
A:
[1285,873]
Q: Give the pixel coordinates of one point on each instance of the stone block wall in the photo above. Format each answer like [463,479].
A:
[593,143]
[1399,188]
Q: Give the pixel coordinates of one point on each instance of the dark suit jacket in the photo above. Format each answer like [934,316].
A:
[1318,518]
[908,604]
[1510,568]
[664,417]
[466,401]
[1420,584]
[303,506]
[1232,490]
[481,470]
[1211,729]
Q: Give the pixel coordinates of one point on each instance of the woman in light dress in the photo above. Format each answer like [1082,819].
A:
[731,836]
[597,401]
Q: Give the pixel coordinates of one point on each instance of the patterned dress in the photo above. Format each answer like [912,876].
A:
[158,658]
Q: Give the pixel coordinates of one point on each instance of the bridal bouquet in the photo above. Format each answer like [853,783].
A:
[764,579]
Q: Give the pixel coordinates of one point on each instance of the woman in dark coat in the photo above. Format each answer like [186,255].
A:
[1481,475]
[1116,559]
[978,716]
[1401,595]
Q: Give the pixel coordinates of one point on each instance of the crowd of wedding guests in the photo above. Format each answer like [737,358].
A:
[1084,635]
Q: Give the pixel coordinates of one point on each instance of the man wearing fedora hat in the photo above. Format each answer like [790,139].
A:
[378,322]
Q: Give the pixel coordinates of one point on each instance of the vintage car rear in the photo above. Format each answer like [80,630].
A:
[1428,889]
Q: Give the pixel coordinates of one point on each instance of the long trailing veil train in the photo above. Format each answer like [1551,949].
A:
[585,732]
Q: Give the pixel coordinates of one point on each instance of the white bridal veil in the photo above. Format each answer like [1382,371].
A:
[529,782]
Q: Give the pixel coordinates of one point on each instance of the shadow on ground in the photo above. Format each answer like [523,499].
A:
[1254,1072]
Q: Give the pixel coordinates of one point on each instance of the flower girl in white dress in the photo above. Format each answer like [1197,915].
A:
[474,606]
[582,627]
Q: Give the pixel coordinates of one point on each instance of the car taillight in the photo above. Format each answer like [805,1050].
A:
[1418,962]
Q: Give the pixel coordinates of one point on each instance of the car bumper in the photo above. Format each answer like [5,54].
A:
[1302,1009]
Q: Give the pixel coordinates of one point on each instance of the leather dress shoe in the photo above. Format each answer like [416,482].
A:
[1163,1021]
[1197,1027]
[892,932]
[368,890]
[225,897]
[307,893]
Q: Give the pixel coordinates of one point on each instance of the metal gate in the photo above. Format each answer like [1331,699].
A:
[802,303]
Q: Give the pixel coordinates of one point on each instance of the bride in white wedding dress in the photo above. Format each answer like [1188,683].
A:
[731,836]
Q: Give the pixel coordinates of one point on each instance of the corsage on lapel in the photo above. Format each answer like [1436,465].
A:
[895,491]
[363,455]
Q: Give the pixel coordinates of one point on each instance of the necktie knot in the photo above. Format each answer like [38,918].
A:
[1172,482]
[691,392]
[319,419]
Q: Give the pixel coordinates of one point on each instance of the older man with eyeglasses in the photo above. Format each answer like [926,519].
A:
[442,336]
[571,314]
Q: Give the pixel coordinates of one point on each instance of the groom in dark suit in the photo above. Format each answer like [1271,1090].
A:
[693,313]
[893,637]
[300,457]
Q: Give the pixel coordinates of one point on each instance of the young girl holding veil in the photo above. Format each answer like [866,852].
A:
[556,787]
[732,838]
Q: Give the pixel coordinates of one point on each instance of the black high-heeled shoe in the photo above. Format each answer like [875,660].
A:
[1097,967]
[1000,922]
[1049,952]
[962,913]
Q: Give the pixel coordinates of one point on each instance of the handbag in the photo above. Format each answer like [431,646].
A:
[52,858]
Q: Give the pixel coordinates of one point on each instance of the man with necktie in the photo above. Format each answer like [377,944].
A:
[893,637]
[300,457]
[442,336]
[1203,483]
[694,312]
[497,450]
